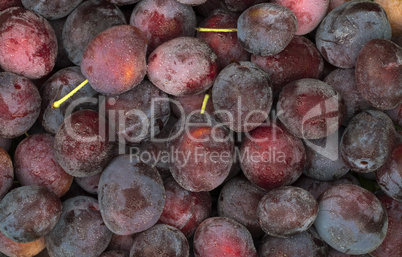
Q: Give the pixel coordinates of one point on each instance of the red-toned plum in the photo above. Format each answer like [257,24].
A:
[272,157]
[183,209]
[89,184]
[28,44]
[20,104]
[15,249]
[35,164]
[238,200]
[309,13]
[163,20]
[6,173]
[203,153]
[89,19]
[389,175]
[310,109]
[29,213]
[287,211]
[183,66]
[220,236]
[81,145]
[5,4]
[300,59]
[160,240]
[392,244]
[114,61]
[266,29]
[379,73]
[225,44]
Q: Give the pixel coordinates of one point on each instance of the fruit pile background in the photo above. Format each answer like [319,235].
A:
[280,134]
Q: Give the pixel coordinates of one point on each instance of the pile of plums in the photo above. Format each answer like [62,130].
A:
[204,128]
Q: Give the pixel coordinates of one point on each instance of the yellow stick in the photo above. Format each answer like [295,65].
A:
[204,103]
[216,30]
[57,104]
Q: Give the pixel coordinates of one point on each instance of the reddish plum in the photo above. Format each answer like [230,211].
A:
[309,13]
[379,73]
[300,59]
[6,173]
[226,45]
[163,20]
[272,157]
[183,66]
[20,104]
[15,249]
[28,44]
[81,145]
[35,164]
[183,209]
[219,236]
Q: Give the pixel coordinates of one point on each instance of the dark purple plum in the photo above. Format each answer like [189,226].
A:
[160,240]
[81,145]
[343,81]
[300,59]
[114,61]
[238,200]
[367,141]
[324,161]
[28,44]
[305,244]
[392,244]
[51,10]
[317,187]
[238,6]
[266,29]
[121,243]
[351,219]
[287,211]
[220,236]
[84,23]
[62,60]
[123,2]
[6,173]
[226,45]
[35,164]
[187,104]
[19,104]
[131,196]
[183,66]
[56,87]
[144,118]
[183,209]
[395,115]
[163,20]
[80,230]
[242,96]
[272,157]
[310,109]
[5,143]
[29,213]
[114,254]
[379,73]
[389,175]
[346,29]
